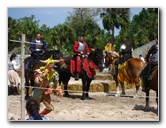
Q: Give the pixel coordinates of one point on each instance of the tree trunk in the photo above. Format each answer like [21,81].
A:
[112,39]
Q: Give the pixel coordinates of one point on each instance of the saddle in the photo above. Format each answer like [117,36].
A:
[151,73]
[89,67]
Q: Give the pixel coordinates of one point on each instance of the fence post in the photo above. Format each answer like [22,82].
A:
[22,78]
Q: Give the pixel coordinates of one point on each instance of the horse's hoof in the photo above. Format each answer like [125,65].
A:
[135,96]
[66,95]
[117,95]
[123,94]
[83,98]
[146,108]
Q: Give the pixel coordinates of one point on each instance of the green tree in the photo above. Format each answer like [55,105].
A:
[115,18]
[81,17]
[29,26]
[13,33]
[62,37]
[143,28]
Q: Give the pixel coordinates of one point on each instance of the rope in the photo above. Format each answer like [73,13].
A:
[25,42]
[108,93]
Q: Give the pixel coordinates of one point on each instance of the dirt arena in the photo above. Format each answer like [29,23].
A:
[102,106]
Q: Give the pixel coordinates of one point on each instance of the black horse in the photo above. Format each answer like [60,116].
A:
[64,74]
[29,78]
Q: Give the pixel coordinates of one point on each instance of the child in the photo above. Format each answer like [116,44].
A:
[33,108]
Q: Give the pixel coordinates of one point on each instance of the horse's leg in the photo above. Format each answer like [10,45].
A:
[87,88]
[123,88]
[84,86]
[137,82]
[27,89]
[147,100]
[66,93]
[117,87]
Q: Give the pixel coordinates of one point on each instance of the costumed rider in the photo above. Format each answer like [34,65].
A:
[149,68]
[125,52]
[36,51]
[43,77]
[80,48]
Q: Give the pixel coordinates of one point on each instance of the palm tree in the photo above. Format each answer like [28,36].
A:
[115,18]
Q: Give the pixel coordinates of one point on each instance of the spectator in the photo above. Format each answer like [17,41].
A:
[141,58]
[32,108]
[13,77]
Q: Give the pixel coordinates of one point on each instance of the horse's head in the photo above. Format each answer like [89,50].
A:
[97,57]
[110,58]
[55,54]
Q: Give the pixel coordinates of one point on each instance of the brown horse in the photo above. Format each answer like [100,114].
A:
[64,74]
[127,72]
[29,78]
[153,84]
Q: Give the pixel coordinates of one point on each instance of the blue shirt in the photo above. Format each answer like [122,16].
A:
[31,118]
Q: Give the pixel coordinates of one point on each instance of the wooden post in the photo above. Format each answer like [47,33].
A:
[22,78]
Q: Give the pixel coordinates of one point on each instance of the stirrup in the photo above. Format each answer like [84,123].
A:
[77,77]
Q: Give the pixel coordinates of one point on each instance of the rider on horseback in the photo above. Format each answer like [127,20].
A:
[80,48]
[37,50]
[153,52]
[125,52]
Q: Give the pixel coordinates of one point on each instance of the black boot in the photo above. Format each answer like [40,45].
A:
[77,76]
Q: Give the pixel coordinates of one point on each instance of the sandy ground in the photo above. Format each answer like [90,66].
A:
[100,107]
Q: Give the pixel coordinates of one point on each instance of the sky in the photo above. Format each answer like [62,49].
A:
[53,16]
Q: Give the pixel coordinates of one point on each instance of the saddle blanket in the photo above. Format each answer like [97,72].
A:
[89,67]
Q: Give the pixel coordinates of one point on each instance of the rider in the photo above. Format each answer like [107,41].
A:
[80,47]
[36,50]
[125,53]
[150,66]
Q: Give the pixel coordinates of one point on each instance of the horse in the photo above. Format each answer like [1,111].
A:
[153,84]
[127,72]
[95,57]
[29,78]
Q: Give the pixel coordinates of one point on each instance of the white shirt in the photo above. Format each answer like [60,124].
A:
[12,65]
[141,58]
[122,47]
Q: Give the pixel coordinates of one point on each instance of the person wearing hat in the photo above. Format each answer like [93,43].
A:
[36,50]
[43,77]
[13,77]
[80,47]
